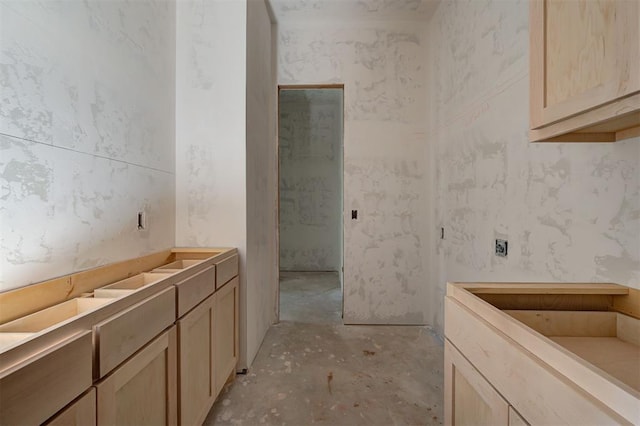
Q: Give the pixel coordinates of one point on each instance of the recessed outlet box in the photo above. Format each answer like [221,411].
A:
[502,248]
[142,221]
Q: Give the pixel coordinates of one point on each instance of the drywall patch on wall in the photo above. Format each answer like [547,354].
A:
[571,212]
[382,68]
[310,179]
[86,144]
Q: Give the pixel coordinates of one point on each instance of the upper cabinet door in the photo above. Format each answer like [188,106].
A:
[585,69]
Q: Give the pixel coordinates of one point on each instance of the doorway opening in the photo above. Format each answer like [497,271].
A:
[310,215]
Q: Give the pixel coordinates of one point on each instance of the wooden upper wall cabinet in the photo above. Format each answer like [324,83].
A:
[585,70]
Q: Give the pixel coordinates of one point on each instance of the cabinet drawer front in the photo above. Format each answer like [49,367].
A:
[82,412]
[195,289]
[122,335]
[36,389]
[226,270]
[537,391]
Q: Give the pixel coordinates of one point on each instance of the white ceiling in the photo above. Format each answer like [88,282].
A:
[352,10]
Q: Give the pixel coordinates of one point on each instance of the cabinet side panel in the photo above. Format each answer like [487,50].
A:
[536,62]
[225,324]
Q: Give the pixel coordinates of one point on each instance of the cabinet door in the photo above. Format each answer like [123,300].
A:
[469,398]
[196,385]
[81,412]
[142,391]
[225,333]
[584,54]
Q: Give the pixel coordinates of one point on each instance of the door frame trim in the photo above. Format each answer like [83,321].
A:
[307,87]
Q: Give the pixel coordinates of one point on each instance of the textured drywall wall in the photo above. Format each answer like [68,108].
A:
[262,177]
[210,130]
[571,212]
[310,133]
[226,163]
[382,68]
[86,134]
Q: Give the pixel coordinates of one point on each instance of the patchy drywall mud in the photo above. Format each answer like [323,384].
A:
[571,212]
[382,68]
[86,125]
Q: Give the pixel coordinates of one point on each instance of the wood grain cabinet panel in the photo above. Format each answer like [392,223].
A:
[81,412]
[143,390]
[585,70]
[196,385]
[470,399]
[225,270]
[195,289]
[34,390]
[225,333]
[516,419]
[120,336]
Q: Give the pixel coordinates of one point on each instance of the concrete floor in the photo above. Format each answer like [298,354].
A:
[312,369]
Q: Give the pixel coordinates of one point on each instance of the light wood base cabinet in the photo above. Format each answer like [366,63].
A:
[519,353]
[107,349]
[196,388]
[225,333]
[142,391]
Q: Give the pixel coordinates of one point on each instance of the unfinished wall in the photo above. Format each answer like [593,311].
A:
[211,197]
[571,212]
[225,148]
[86,134]
[262,177]
[310,133]
[382,68]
